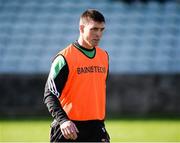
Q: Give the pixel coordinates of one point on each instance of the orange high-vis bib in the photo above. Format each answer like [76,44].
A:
[84,95]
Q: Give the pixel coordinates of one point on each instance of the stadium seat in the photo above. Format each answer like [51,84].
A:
[140,38]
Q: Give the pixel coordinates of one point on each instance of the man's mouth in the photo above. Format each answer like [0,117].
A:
[96,40]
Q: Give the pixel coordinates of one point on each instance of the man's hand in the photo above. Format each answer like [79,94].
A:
[69,130]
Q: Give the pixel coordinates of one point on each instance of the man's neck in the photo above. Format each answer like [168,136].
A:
[84,43]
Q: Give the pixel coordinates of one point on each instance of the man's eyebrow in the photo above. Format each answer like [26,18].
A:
[98,28]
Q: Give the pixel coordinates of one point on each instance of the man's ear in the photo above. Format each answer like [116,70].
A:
[81,28]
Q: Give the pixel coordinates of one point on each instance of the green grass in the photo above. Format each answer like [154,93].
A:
[37,130]
[144,130]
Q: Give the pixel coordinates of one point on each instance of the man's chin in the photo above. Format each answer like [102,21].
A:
[95,44]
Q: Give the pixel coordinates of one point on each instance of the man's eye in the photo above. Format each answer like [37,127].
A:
[102,29]
[95,29]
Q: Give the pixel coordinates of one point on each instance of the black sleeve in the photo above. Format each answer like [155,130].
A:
[108,66]
[53,88]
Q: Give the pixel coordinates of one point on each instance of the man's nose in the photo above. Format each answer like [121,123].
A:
[99,33]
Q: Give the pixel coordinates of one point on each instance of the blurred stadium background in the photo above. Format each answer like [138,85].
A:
[142,38]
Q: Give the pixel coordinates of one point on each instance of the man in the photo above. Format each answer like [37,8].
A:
[75,92]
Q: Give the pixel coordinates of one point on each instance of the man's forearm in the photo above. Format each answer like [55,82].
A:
[55,108]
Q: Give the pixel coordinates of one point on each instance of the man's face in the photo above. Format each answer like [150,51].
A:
[92,33]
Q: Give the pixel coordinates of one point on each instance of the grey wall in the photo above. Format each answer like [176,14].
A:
[143,94]
[22,95]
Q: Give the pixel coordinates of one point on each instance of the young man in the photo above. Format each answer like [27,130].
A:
[75,92]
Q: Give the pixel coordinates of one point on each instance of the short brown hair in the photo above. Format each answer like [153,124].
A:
[92,14]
